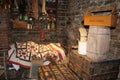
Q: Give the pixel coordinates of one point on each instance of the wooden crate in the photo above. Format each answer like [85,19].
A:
[85,76]
[19,24]
[56,72]
[108,20]
[88,69]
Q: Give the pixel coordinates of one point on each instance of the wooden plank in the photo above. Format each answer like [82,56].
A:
[56,72]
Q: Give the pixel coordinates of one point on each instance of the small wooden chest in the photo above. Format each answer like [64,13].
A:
[88,69]
[56,72]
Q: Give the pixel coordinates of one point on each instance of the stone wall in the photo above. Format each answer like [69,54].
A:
[77,9]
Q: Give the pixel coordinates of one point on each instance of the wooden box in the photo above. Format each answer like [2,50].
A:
[19,24]
[108,19]
[56,72]
[88,69]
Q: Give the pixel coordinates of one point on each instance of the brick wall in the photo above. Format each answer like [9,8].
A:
[62,12]
[4,23]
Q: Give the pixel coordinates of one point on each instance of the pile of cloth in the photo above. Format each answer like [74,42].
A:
[22,53]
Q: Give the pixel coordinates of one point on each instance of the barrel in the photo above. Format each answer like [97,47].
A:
[98,42]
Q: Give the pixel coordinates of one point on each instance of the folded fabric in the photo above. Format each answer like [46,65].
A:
[12,59]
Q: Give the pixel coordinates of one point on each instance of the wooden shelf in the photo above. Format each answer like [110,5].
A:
[51,6]
[37,29]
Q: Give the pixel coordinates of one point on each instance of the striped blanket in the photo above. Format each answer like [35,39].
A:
[23,52]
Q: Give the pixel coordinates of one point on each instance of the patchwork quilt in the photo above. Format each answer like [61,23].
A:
[24,52]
